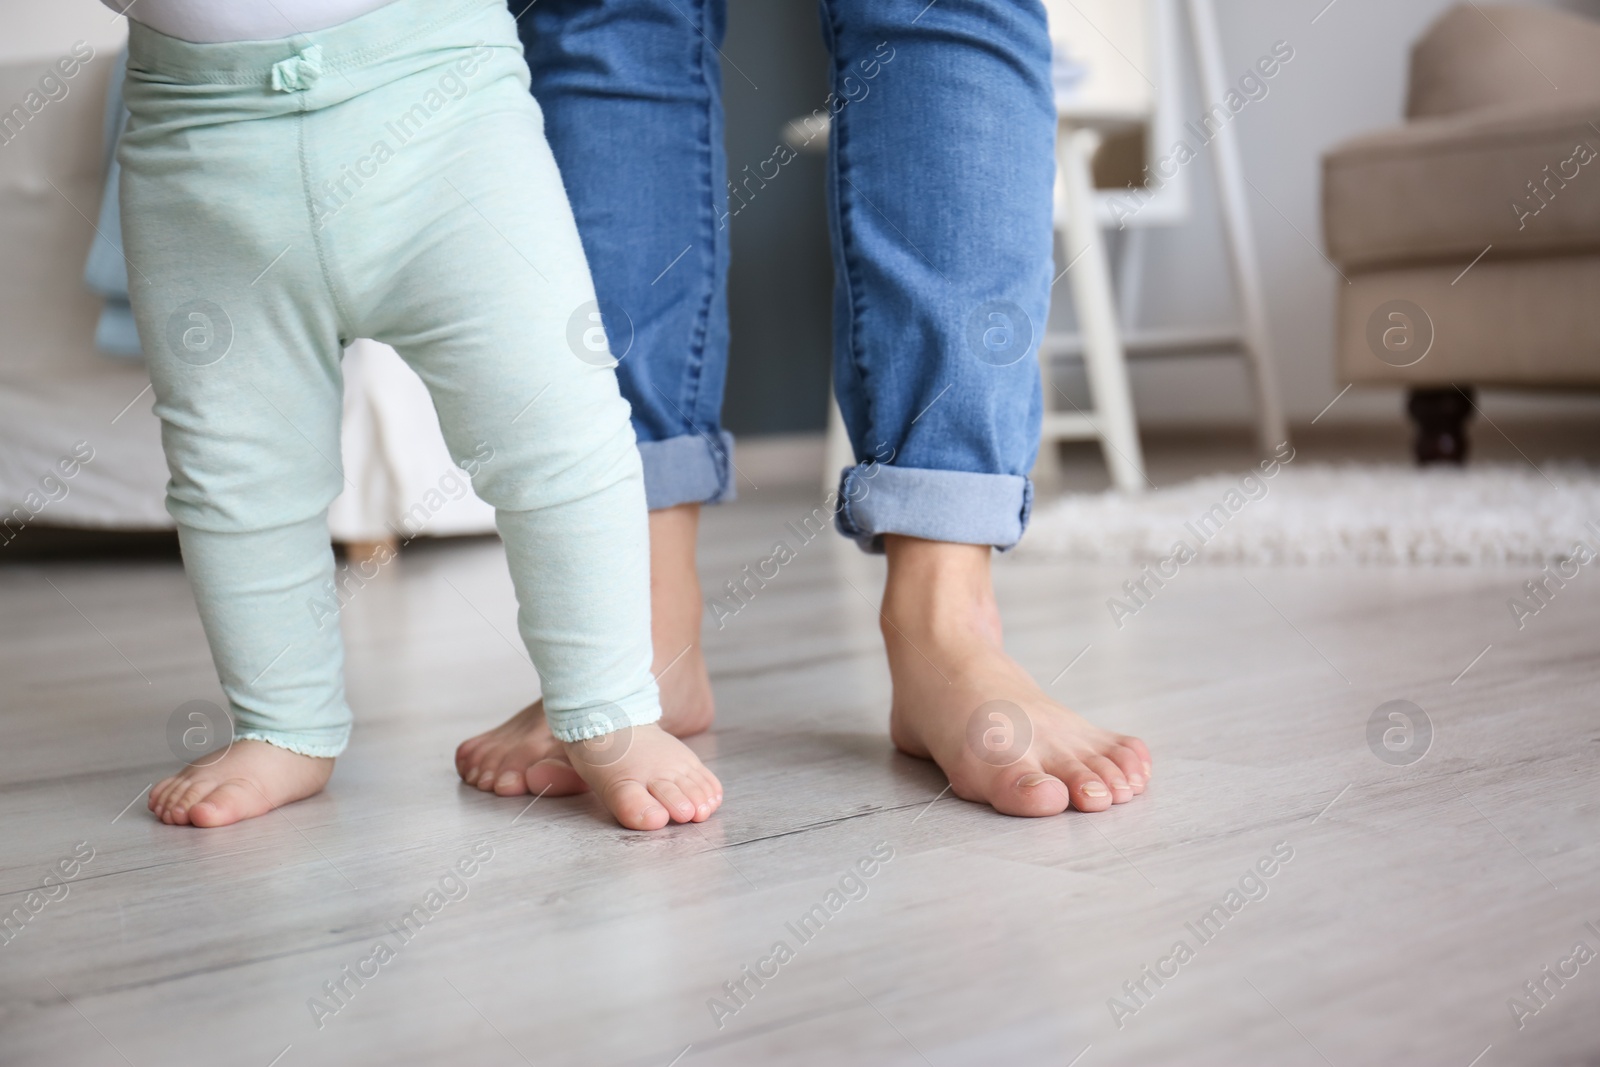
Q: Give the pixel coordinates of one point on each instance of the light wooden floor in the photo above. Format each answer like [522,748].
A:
[1418,899]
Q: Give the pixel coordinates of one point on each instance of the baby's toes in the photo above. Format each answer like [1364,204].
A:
[171,788]
[675,800]
[185,798]
[228,803]
[158,795]
[705,791]
[633,806]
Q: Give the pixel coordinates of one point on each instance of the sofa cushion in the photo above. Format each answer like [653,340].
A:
[1489,55]
[1524,178]
[1519,322]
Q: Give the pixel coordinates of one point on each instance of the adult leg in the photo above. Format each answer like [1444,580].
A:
[941,166]
[631,92]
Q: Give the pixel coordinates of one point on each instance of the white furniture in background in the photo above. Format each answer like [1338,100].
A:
[399,477]
[1131,78]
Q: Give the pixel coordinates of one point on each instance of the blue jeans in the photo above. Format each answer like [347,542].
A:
[940,167]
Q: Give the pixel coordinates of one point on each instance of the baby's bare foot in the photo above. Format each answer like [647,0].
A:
[521,755]
[646,777]
[250,779]
[962,702]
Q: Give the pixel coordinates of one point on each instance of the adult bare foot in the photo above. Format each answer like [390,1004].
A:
[521,755]
[250,779]
[960,701]
[646,777]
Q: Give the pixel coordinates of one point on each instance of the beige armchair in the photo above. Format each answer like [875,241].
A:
[1469,237]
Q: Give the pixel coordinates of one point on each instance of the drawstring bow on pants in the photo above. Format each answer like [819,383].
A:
[299,72]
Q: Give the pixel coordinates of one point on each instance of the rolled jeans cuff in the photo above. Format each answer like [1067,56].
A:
[688,469]
[597,720]
[957,506]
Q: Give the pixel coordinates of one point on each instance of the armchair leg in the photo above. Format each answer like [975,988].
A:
[359,553]
[1441,417]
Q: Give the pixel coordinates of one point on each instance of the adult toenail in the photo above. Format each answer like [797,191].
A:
[1028,781]
[1146,764]
[1094,789]
[1136,780]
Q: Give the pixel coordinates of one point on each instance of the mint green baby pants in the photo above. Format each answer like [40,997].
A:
[387,178]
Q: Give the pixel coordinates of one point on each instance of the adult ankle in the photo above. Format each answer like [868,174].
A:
[674,533]
[937,587]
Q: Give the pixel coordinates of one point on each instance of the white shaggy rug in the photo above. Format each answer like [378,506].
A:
[1311,513]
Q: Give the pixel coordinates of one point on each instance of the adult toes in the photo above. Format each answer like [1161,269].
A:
[1024,790]
[1112,776]
[510,782]
[1141,750]
[1089,792]
[633,806]
[472,757]
[554,777]
[487,773]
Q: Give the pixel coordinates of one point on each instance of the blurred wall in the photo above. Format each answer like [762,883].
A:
[43,29]
[779,290]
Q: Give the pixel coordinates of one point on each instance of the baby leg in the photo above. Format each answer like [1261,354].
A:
[245,365]
[487,295]
[264,587]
